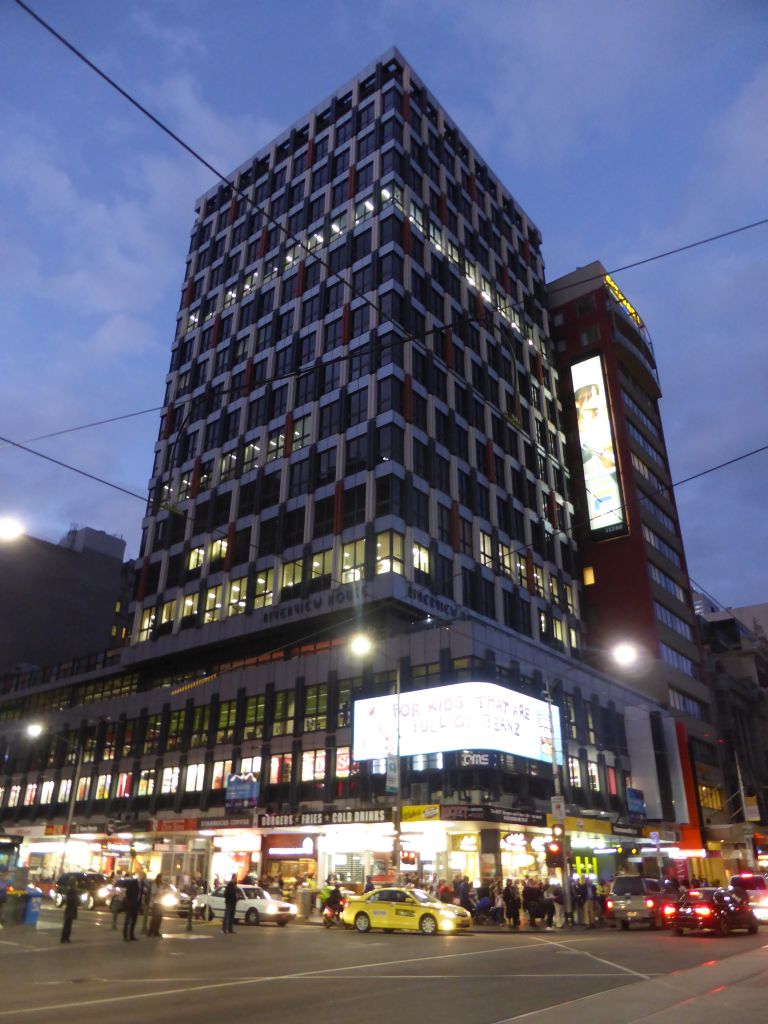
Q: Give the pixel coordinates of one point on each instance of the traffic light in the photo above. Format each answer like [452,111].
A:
[554,854]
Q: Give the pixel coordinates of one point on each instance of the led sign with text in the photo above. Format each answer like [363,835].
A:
[462,716]
[598,455]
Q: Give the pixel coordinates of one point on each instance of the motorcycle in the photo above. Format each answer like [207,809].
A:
[332,915]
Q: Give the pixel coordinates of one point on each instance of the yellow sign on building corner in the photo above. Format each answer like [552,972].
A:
[420,812]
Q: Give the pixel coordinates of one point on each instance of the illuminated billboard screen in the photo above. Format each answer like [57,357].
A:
[461,716]
[598,454]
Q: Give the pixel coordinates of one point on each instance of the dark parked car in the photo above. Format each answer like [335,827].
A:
[715,910]
[94,888]
[175,901]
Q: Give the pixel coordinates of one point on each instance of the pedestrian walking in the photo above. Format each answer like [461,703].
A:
[548,906]
[590,900]
[157,892]
[369,886]
[132,903]
[71,903]
[230,904]
[532,901]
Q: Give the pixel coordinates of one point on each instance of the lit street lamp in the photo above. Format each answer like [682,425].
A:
[361,646]
[34,730]
[10,529]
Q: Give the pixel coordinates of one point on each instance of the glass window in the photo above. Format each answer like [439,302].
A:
[291,574]
[313,765]
[389,552]
[227,717]
[280,769]
[301,433]
[213,604]
[284,711]
[322,564]
[276,444]
[263,593]
[486,549]
[146,782]
[353,561]
[195,560]
[195,778]
[237,596]
[421,558]
[221,772]
[316,706]
[343,762]
[124,785]
[169,780]
[574,772]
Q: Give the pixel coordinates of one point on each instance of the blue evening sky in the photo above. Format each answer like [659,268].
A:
[623,129]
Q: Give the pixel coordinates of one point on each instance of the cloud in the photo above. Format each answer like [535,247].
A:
[177,41]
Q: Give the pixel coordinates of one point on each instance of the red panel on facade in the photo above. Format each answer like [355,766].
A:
[230,547]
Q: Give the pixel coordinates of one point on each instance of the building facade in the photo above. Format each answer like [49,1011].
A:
[362,430]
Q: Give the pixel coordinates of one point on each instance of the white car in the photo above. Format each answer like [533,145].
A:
[254,905]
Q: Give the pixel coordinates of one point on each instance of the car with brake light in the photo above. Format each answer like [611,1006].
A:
[398,909]
[254,906]
[709,909]
[756,888]
[634,899]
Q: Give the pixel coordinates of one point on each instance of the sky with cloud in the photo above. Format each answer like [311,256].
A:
[623,129]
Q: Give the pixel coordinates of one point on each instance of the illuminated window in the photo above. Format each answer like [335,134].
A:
[711,797]
[46,791]
[285,703]
[436,235]
[30,793]
[83,786]
[322,564]
[237,594]
[14,795]
[343,762]
[251,456]
[316,706]
[201,718]
[168,612]
[227,717]
[254,718]
[557,629]
[103,782]
[313,765]
[263,593]
[589,576]
[522,570]
[147,623]
[570,716]
[195,560]
[569,599]
[250,765]
[574,772]
[538,580]
[218,551]
[291,574]
[228,466]
[65,788]
[279,769]
[486,549]
[470,272]
[353,561]
[363,211]
[169,781]
[152,734]
[124,783]
[221,772]
[213,605]
[302,429]
[276,445]
[505,560]
[421,558]
[195,778]
[612,786]
[389,552]
[593,777]
[416,217]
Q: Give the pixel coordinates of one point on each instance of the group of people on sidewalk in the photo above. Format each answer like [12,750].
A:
[530,900]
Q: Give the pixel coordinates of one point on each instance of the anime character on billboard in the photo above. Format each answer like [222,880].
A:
[597,452]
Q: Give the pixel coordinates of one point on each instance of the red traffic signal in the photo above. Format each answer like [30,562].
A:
[553,852]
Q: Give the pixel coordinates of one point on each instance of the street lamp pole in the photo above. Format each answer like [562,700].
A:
[71,804]
[557,780]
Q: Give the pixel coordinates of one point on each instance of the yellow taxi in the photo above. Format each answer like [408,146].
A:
[411,910]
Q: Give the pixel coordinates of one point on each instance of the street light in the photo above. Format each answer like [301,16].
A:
[361,646]
[10,529]
[624,654]
[35,730]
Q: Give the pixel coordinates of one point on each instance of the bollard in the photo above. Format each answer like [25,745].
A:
[189,916]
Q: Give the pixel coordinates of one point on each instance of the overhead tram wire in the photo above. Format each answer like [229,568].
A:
[85,426]
[196,155]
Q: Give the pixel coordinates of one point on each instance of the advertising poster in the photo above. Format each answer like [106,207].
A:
[242,792]
[598,454]
[462,716]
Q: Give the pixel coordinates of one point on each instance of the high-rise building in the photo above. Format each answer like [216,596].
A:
[362,431]
[635,579]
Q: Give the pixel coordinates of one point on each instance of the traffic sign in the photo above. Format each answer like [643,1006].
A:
[558,808]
